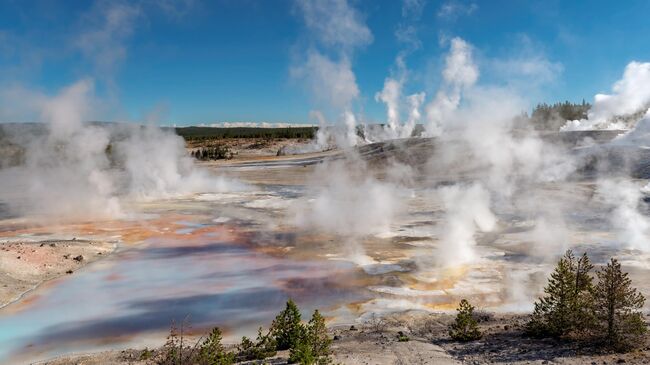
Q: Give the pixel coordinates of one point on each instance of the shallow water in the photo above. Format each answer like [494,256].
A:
[203,269]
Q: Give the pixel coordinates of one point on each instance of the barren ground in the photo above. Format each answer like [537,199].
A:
[27,264]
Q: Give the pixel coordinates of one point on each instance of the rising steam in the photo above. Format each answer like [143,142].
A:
[630,95]
[336,30]
[77,170]
[467,210]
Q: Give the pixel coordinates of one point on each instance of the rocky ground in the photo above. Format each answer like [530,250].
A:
[27,264]
[425,341]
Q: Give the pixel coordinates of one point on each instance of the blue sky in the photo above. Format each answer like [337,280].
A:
[192,61]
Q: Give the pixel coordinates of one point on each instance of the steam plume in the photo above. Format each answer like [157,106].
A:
[459,74]
[630,95]
[467,209]
[67,172]
[336,27]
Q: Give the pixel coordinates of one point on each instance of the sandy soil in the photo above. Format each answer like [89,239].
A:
[376,342]
[27,264]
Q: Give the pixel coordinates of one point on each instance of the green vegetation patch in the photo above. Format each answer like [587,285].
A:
[202,133]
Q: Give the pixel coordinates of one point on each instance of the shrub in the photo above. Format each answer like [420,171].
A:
[170,353]
[377,324]
[402,337]
[465,327]
[286,329]
[616,305]
[566,308]
[146,354]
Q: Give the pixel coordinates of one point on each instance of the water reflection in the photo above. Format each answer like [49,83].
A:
[209,274]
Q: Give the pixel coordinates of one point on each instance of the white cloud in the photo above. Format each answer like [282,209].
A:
[412,8]
[335,23]
[255,125]
[407,34]
[106,28]
[175,9]
[536,68]
[108,25]
[526,64]
[452,10]
[406,31]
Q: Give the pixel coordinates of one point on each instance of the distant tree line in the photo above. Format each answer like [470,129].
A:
[553,116]
[206,133]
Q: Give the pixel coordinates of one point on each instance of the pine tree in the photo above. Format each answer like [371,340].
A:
[465,327]
[616,305]
[212,352]
[318,336]
[245,349]
[266,344]
[286,328]
[583,296]
[302,354]
[565,310]
[263,347]
[314,345]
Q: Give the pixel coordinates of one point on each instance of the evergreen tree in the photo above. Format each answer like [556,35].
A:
[263,347]
[582,296]
[616,305]
[212,352]
[552,117]
[302,353]
[465,327]
[318,336]
[565,310]
[314,345]
[286,328]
